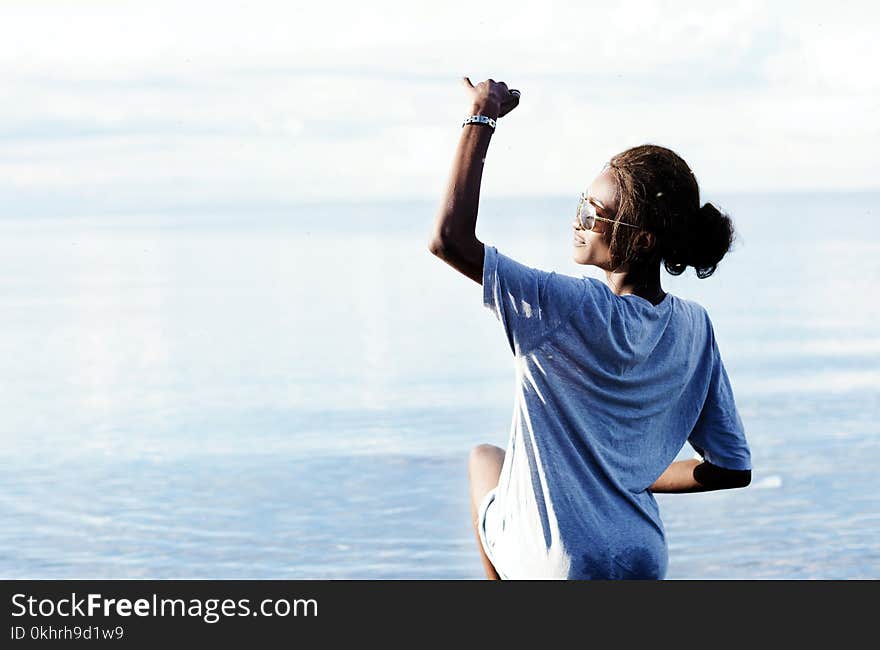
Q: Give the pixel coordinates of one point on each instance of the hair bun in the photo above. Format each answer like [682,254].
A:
[711,235]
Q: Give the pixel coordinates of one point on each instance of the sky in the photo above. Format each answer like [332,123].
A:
[151,106]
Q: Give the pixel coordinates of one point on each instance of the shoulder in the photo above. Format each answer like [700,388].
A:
[597,293]
[596,285]
[694,310]
[700,324]
[509,270]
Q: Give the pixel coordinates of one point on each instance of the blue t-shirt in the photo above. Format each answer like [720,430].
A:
[608,389]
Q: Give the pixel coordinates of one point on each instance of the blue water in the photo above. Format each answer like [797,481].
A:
[292,393]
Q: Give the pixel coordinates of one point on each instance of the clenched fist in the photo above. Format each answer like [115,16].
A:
[491,98]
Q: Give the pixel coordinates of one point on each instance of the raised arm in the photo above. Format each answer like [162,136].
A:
[700,476]
[454,238]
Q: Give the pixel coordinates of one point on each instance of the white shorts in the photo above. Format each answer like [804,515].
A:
[484,523]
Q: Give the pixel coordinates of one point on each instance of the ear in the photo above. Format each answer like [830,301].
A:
[644,242]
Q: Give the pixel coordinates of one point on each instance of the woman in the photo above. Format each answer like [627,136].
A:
[612,379]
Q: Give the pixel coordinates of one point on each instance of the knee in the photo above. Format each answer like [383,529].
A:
[483,455]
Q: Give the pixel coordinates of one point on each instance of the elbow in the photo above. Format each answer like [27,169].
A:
[732,480]
[743,479]
[444,247]
[712,477]
[436,247]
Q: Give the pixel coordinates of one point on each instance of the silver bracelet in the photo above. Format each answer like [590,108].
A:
[479,119]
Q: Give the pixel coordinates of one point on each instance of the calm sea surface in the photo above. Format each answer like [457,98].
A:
[293,393]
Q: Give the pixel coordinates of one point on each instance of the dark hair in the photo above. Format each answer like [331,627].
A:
[657,191]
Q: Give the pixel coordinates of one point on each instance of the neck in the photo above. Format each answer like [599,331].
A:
[643,282]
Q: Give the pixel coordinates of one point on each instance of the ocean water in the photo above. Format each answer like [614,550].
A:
[292,392]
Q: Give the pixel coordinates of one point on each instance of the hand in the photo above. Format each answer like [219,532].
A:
[491,98]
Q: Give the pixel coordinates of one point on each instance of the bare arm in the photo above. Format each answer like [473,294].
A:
[699,476]
[454,238]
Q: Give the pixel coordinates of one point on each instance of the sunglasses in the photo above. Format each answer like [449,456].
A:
[587,217]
